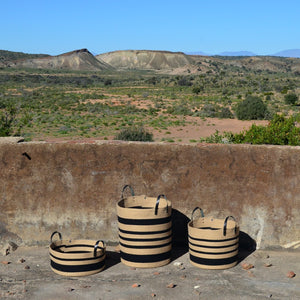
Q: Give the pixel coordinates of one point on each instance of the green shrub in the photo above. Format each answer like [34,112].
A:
[197,89]
[7,121]
[252,108]
[225,113]
[208,111]
[134,133]
[280,131]
[217,138]
[181,108]
[184,81]
[291,98]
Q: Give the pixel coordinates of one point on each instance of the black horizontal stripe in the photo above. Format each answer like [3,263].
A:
[209,228]
[213,247]
[144,232]
[77,268]
[214,241]
[213,262]
[214,253]
[77,259]
[146,258]
[144,221]
[145,246]
[145,240]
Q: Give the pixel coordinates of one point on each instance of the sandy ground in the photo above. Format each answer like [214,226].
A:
[192,132]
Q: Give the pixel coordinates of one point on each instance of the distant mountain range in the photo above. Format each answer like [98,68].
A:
[284,53]
[289,53]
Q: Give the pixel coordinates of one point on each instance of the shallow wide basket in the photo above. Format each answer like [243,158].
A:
[213,243]
[145,230]
[77,257]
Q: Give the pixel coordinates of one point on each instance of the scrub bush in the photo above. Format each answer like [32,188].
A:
[252,108]
[134,133]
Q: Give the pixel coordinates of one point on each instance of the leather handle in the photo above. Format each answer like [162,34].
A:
[225,225]
[195,209]
[157,203]
[97,246]
[53,234]
[124,188]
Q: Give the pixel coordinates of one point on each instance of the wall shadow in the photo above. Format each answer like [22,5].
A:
[247,245]
[180,244]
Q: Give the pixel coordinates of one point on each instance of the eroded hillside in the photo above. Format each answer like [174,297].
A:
[75,60]
[146,60]
[160,62]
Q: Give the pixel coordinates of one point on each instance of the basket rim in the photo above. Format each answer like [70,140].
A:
[88,253]
[161,206]
[230,224]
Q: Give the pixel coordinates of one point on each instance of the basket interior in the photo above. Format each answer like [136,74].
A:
[75,247]
[212,224]
[143,202]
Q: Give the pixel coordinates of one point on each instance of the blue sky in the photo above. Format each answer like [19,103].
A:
[55,27]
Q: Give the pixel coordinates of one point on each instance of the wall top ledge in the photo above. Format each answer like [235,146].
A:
[18,140]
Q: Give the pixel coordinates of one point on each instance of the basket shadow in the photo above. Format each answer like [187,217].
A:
[247,245]
[112,258]
[180,244]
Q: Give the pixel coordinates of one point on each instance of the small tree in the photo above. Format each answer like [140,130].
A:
[290,98]
[252,108]
[7,119]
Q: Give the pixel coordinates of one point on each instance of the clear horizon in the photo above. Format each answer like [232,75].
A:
[55,27]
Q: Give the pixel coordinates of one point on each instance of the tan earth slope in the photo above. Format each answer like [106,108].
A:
[75,60]
[145,59]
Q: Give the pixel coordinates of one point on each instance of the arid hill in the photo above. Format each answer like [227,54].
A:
[180,63]
[145,59]
[163,62]
[74,60]
[6,57]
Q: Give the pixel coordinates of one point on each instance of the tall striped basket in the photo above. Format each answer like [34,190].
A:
[145,230]
[213,243]
[77,257]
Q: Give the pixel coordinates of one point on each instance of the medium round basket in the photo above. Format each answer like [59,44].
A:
[213,243]
[145,230]
[76,257]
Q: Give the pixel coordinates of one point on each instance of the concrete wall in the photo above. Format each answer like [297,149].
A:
[74,188]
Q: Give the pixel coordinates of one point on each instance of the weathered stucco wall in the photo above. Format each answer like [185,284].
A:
[74,188]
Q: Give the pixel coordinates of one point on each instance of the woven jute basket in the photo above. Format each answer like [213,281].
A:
[145,230]
[213,243]
[76,257]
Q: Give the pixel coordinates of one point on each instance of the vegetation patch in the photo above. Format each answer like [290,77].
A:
[40,104]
